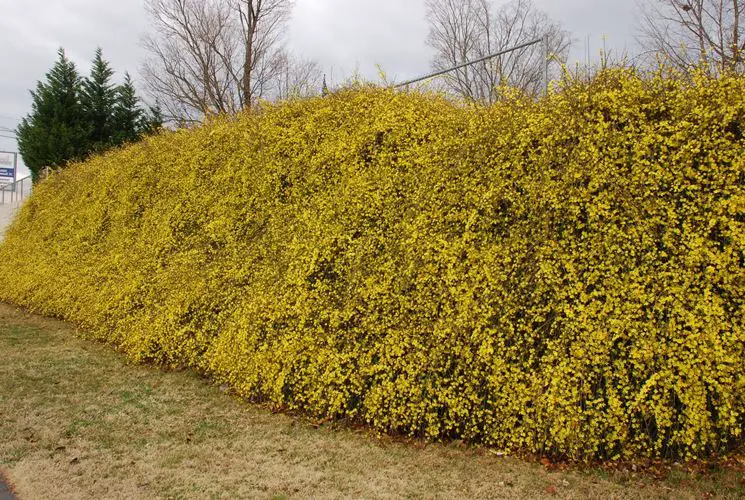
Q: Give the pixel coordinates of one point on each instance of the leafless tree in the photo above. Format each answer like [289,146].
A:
[296,77]
[184,71]
[466,30]
[262,23]
[691,33]
[214,56]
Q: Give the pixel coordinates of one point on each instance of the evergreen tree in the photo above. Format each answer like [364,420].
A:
[128,113]
[98,98]
[72,118]
[132,121]
[55,131]
[153,121]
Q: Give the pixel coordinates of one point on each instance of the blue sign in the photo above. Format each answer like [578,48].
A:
[7,172]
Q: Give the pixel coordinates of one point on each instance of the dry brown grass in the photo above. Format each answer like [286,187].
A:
[77,421]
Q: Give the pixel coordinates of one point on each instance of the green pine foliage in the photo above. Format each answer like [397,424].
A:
[72,117]
[153,121]
[99,97]
[131,121]
[129,117]
[56,130]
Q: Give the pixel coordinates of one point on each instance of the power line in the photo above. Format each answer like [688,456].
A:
[8,137]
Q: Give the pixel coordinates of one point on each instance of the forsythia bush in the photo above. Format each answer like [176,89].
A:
[564,276]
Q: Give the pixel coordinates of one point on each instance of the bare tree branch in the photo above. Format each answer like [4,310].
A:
[464,30]
[695,33]
[296,77]
[218,56]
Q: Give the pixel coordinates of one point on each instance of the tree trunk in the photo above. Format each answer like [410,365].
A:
[247,64]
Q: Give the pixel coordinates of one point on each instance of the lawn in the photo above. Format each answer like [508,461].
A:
[78,421]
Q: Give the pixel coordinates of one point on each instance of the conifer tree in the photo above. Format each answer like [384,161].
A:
[98,98]
[73,117]
[132,121]
[128,113]
[55,131]
[152,122]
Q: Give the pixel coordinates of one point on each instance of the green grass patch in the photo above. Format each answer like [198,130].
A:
[77,420]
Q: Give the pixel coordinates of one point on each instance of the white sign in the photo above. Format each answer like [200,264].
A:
[7,168]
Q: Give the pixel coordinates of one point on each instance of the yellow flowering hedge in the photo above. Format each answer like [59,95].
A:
[564,276]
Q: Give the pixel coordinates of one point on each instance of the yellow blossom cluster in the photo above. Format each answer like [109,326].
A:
[564,276]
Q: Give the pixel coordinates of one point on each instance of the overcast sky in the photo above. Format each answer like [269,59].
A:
[342,35]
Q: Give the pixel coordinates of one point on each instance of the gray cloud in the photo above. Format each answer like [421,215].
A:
[342,35]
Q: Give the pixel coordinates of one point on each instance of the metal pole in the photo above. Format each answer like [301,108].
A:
[470,63]
[15,174]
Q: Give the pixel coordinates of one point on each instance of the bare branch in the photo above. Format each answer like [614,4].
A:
[463,30]
[695,33]
[296,77]
[215,56]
